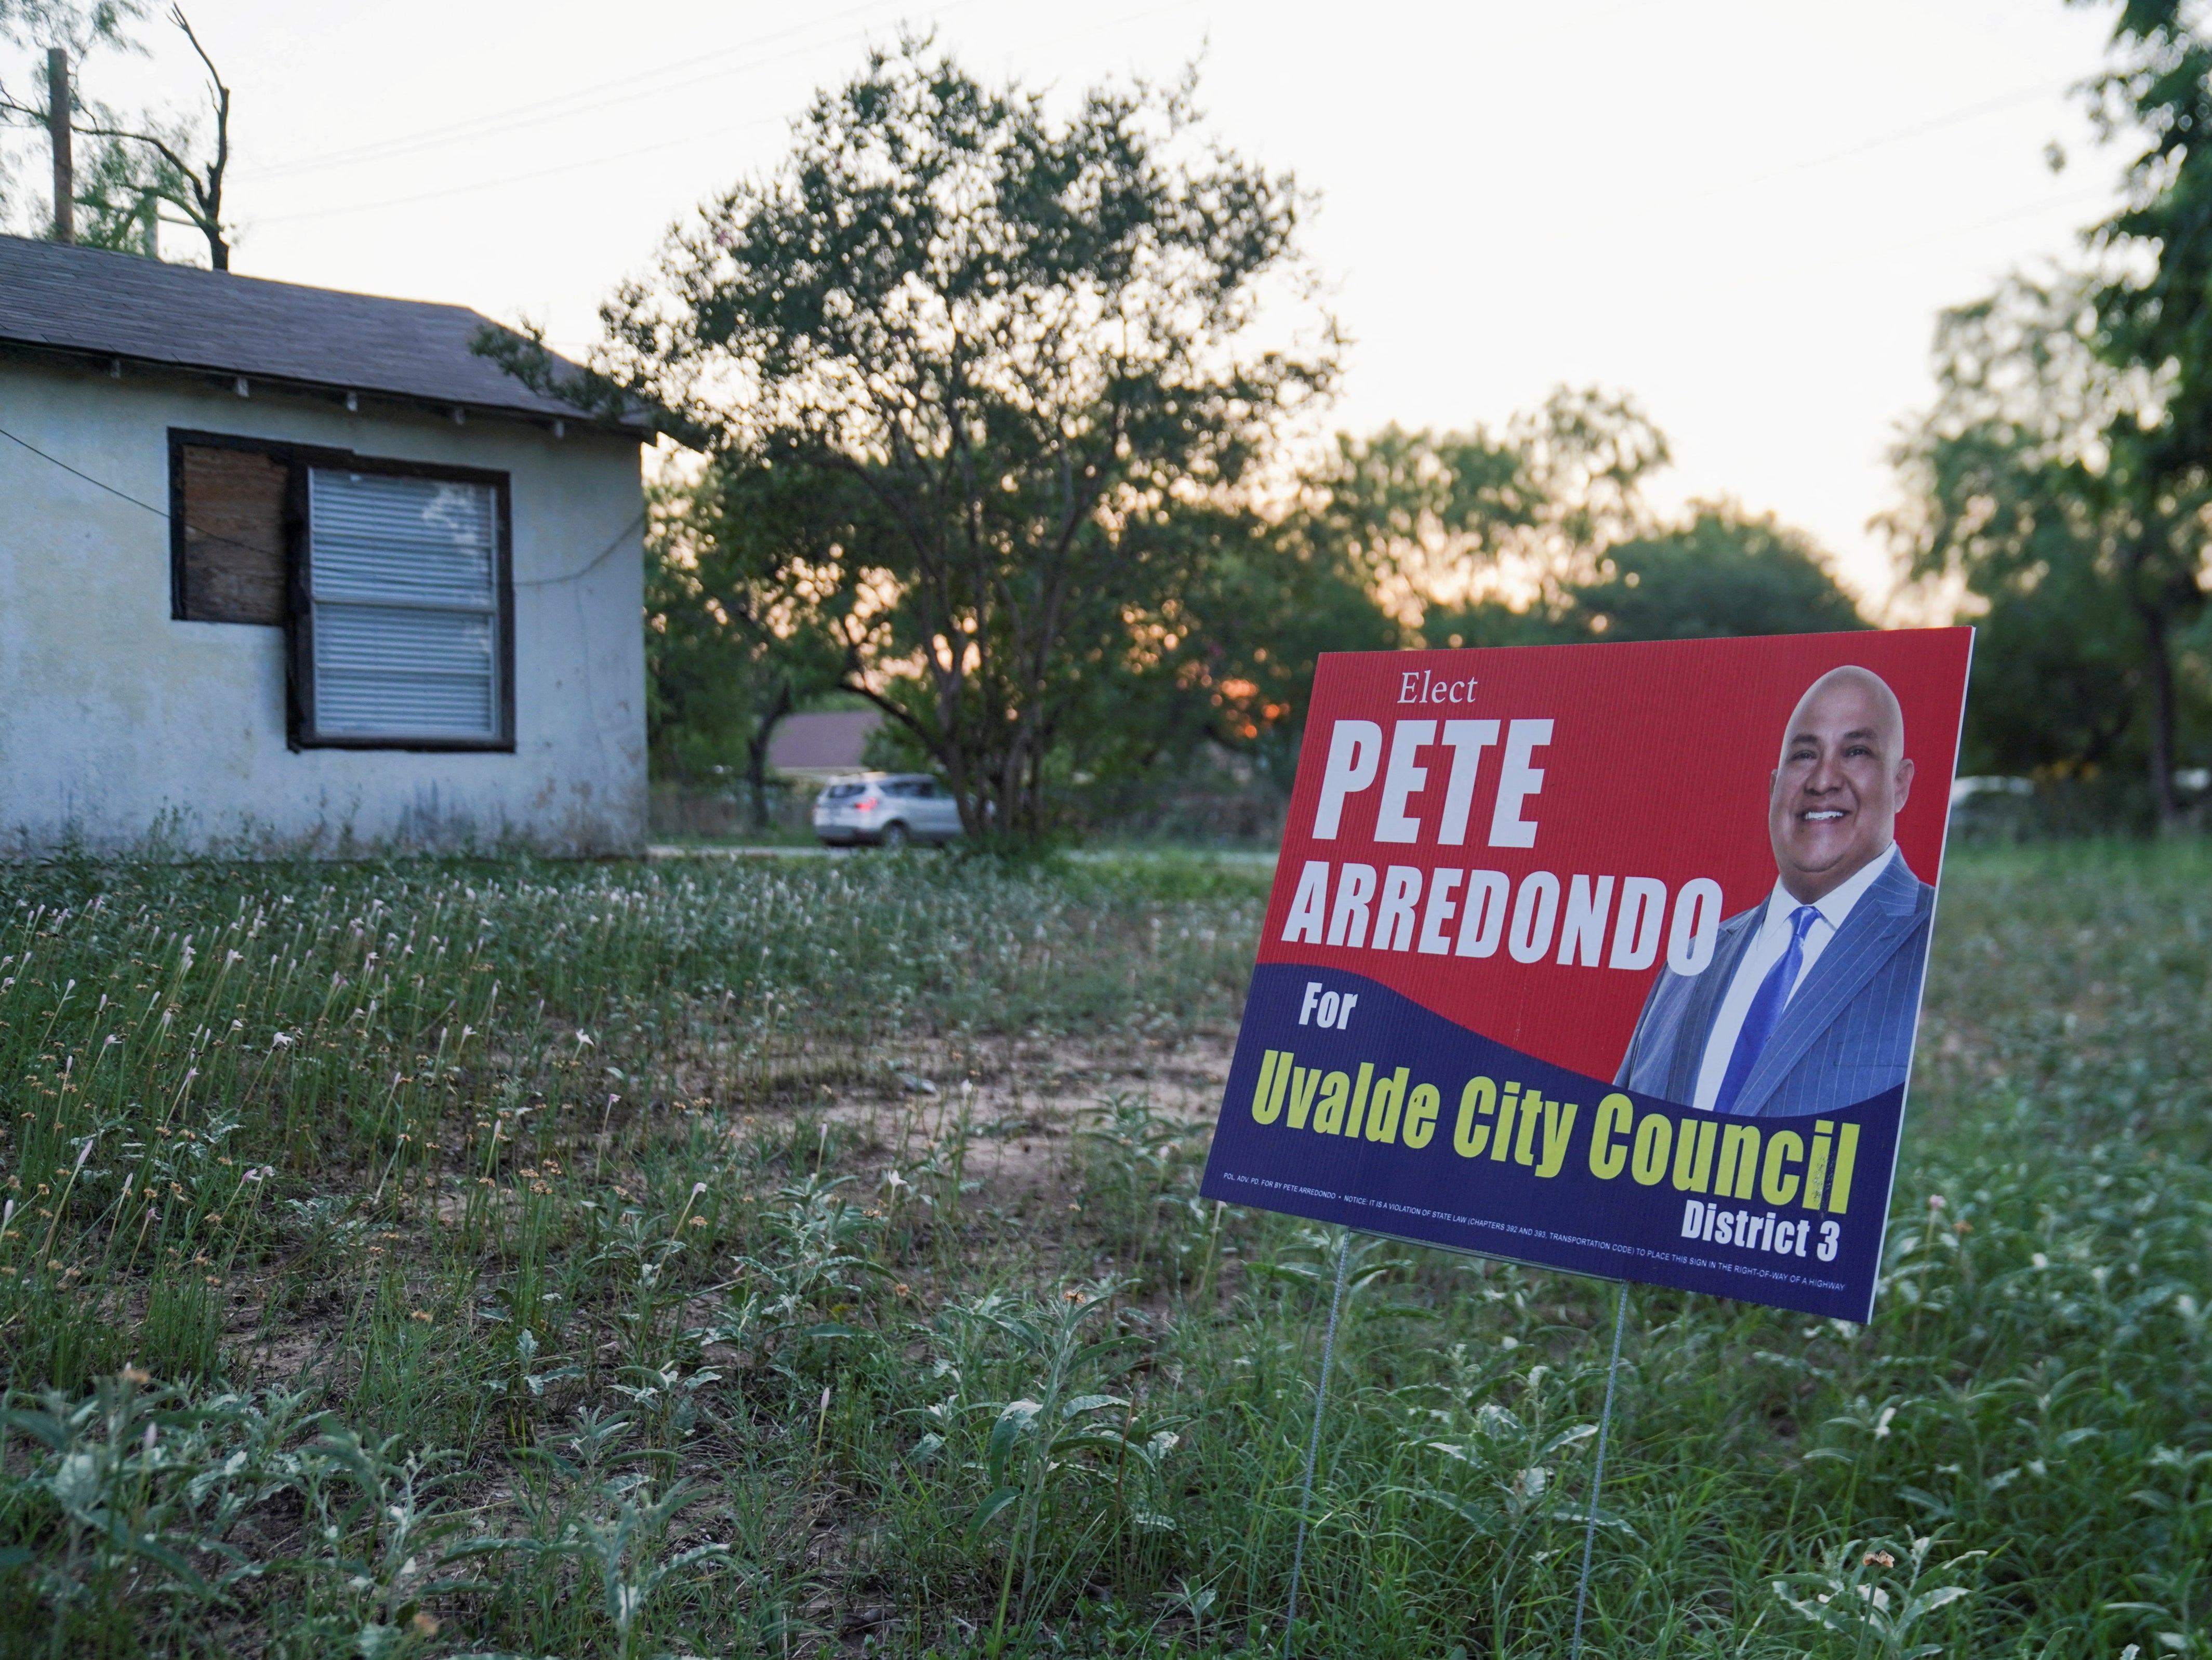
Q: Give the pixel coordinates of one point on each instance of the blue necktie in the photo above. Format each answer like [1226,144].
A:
[1766,1009]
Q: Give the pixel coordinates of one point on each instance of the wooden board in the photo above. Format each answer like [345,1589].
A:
[233,564]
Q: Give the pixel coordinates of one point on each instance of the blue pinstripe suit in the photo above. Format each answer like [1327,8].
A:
[1845,1035]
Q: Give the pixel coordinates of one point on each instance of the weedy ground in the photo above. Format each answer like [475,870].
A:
[730,1259]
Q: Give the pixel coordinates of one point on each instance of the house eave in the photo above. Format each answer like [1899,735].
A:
[363,392]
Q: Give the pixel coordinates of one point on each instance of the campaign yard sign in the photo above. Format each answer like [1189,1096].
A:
[1605,957]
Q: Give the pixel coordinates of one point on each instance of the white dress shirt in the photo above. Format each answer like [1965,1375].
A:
[1764,950]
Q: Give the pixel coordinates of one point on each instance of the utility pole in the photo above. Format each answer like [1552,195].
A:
[59,110]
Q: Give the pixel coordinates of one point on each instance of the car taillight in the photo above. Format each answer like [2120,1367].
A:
[867,804]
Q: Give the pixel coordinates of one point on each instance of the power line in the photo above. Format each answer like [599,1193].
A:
[655,149]
[598,559]
[554,172]
[1918,130]
[542,110]
[96,483]
[1909,244]
[161,513]
[567,104]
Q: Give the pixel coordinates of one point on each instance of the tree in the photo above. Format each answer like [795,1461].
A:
[1718,574]
[1260,610]
[1416,513]
[1443,518]
[2062,476]
[69,24]
[1722,575]
[139,163]
[2153,318]
[1540,534]
[730,651]
[2057,686]
[1351,561]
[2032,485]
[152,162]
[988,356]
[1224,661]
[116,209]
[1487,538]
[44,26]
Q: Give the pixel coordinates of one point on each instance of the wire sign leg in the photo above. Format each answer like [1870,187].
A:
[1313,1446]
[1597,1476]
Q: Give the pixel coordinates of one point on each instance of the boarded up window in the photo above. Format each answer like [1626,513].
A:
[232,563]
[390,578]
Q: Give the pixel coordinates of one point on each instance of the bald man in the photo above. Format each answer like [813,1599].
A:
[1810,1000]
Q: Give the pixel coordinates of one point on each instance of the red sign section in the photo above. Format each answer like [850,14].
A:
[1521,840]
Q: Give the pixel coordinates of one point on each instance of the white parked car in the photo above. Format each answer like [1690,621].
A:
[886,810]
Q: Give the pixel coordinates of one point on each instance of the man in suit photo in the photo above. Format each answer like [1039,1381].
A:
[1810,1000]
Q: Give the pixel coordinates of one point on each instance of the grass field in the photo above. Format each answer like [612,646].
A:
[797,1258]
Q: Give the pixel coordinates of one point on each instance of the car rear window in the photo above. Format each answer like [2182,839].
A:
[843,791]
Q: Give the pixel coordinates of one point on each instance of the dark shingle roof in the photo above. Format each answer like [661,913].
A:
[118,305]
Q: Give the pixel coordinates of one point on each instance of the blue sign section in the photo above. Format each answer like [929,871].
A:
[1348,1103]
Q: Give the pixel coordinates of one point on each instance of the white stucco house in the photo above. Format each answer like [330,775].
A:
[289,569]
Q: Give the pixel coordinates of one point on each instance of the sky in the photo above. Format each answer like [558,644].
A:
[1746,214]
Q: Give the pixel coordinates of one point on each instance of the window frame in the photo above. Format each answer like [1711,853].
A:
[298,460]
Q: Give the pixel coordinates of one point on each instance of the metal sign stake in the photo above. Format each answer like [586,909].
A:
[1313,1453]
[1313,1446]
[1597,1476]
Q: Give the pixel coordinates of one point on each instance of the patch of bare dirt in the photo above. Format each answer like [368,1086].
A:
[1023,1101]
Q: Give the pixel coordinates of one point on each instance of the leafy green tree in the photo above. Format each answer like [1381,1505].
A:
[2154,324]
[69,24]
[150,161]
[2057,687]
[1721,574]
[1540,534]
[1261,612]
[728,655]
[1718,574]
[1439,519]
[117,206]
[2031,485]
[137,164]
[36,26]
[1414,511]
[1226,659]
[1496,622]
[1220,663]
[989,357]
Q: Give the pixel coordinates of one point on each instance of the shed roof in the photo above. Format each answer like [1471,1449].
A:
[120,305]
[832,740]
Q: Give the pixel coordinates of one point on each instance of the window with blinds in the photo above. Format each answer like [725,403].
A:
[390,578]
[403,641]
